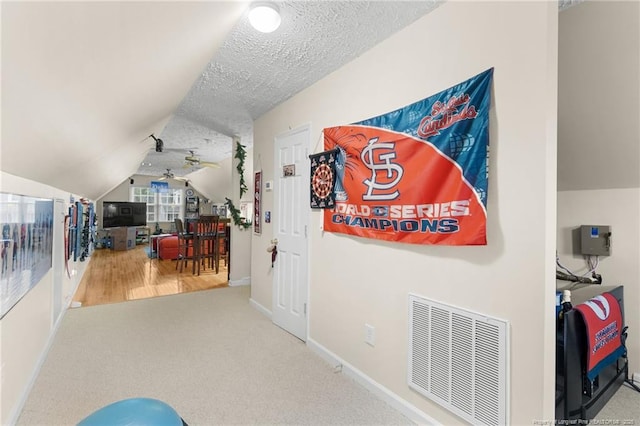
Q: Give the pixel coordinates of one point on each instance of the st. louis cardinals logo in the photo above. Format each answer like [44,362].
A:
[381,184]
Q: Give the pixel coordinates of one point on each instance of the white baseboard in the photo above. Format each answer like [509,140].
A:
[241,281]
[407,409]
[17,410]
[636,378]
[258,307]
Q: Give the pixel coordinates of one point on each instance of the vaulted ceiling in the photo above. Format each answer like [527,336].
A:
[84,84]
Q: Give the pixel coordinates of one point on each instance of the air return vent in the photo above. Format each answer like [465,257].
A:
[458,359]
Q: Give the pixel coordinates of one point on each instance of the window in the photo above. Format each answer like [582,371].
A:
[145,195]
[161,207]
[170,205]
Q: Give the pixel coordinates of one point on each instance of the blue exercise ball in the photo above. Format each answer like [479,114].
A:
[134,412]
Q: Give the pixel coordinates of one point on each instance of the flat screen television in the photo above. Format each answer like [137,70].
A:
[122,213]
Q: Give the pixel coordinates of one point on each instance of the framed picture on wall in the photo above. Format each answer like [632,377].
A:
[220,210]
[26,246]
[289,170]
[257,205]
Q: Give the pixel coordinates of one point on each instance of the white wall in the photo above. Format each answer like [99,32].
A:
[356,281]
[2,409]
[598,142]
[599,96]
[240,269]
[28,328]
[620,209]
[214,183]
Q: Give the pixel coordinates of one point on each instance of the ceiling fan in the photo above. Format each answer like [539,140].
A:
[193,160]
[169,175]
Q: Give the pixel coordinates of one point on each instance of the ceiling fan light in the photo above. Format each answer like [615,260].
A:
[264,17]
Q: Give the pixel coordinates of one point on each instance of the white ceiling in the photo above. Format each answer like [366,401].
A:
[253,72]
[565,4]
[84,84]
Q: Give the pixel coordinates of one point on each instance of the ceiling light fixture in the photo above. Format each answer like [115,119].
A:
[264,17]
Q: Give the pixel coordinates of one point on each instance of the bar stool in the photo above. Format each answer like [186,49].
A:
[205,243]
[223,243]
[185,242]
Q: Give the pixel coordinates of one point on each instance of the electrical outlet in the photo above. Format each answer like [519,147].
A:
[370,334]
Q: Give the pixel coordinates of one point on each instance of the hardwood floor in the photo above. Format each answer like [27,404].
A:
[118,276]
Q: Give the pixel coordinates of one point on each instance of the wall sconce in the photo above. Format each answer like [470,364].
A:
[131,181]
[264,17]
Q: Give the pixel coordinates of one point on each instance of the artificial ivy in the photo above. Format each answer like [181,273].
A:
[238,220]
[235,215]
[241,154]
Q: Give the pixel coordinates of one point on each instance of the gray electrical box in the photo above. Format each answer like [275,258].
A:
[595,240]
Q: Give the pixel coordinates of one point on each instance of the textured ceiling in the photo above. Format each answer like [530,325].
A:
[253,72]
[85,83]
[565,4]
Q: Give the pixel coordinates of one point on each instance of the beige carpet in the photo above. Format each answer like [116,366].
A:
[622,409]
[208,354]
[216,360]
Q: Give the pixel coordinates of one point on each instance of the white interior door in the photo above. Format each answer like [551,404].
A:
[291,219]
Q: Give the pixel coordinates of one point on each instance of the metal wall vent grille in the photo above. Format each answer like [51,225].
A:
[459,359]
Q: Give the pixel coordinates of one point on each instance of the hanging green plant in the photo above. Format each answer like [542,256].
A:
[241,155]
[235,215]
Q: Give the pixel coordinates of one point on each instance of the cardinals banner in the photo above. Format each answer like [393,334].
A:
[418,174]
